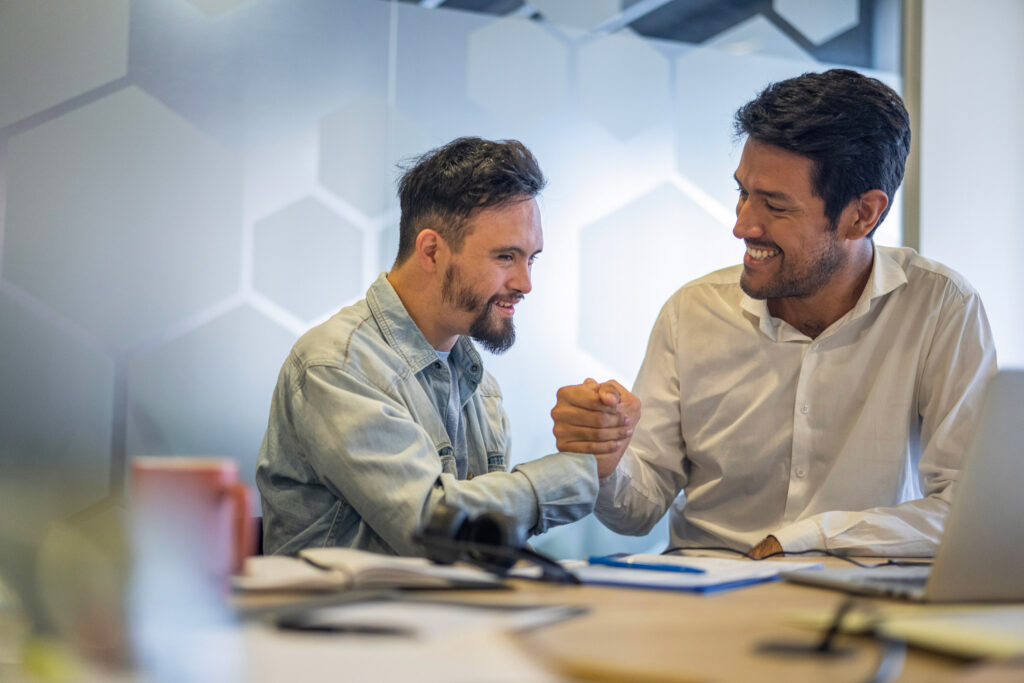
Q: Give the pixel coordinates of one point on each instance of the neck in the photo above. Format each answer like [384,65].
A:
[422,301]
[813,314]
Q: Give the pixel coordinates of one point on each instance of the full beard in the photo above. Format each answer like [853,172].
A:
[496,336]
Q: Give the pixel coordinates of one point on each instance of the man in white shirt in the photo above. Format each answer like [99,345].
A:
[820,396]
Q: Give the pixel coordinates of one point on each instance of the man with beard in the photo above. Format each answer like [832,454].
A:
[820,396]
[385,411]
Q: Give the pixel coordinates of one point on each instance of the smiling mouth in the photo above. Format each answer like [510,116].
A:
[758,253]
[507,307]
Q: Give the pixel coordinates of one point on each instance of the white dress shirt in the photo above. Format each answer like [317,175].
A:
[851,441]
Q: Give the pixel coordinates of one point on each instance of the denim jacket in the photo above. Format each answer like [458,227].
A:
[356,453]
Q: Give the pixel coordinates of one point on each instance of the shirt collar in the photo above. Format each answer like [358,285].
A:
[886,276]
[406,338]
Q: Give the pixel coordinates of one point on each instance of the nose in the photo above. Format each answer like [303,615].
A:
[521,281]
[748,223]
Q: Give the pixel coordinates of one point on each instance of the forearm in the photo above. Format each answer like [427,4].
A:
[910,529]
[628,503]
[540,494]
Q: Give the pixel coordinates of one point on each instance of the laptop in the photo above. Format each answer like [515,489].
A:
[981,554]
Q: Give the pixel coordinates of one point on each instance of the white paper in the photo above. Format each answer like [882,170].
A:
[459,645]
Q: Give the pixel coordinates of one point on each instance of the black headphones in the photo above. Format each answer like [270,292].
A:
[451,532]
[491,540]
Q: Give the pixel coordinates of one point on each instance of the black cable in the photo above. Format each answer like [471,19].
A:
[822,551]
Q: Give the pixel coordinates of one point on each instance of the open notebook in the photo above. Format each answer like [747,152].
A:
[335,569]
[981,555]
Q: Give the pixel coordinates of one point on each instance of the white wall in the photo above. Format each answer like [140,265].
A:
[972,154]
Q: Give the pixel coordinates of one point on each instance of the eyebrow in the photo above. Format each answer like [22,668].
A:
[518,250]
[780,196]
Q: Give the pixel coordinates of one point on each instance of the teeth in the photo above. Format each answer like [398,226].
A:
[761,254]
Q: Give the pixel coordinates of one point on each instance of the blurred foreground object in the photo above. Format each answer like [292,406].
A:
[190,531]
[63,573]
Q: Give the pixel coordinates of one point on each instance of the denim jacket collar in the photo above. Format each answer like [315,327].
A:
[406,338]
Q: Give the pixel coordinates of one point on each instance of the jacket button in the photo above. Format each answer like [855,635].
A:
[474,368]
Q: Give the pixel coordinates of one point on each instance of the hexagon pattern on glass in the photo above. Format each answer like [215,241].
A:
[215,7]
[306,237]
[675,239]
[518,72]
[623,83]
[66,52]
[56,402]
[819,21]
[223,373]
[577,13]
[361,148]
[138,213]
[183,191]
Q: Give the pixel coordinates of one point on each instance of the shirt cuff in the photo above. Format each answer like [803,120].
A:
[565,485]
[805,534]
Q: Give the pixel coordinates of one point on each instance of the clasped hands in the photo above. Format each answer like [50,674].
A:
[596,418]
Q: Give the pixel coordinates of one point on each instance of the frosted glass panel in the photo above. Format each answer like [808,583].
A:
[188,185]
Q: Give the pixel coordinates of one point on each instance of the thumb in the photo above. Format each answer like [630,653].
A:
[609,394]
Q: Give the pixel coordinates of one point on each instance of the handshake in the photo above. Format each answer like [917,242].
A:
[596,418]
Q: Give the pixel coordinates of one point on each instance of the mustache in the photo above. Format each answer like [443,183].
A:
[761,243]
[511,298]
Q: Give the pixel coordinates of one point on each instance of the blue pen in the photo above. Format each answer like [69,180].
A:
[656,566]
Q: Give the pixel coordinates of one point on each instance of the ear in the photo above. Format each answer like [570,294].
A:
[430,247]
[868,209]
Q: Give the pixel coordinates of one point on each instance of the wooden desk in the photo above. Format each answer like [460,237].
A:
[661,636]
[665,636]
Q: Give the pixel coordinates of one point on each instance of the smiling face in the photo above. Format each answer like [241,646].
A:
[792,251]
[490,274]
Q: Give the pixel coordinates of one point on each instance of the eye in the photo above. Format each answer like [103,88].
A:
[773,208]
[533,259]
[507,258]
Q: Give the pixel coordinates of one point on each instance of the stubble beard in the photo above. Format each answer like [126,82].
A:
[801,284]
[495,336]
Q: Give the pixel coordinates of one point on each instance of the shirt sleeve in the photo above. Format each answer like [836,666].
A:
[651,473]
[368,449]
[956,371]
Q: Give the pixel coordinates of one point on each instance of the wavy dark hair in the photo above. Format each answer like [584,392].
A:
[854,128]
[446,186]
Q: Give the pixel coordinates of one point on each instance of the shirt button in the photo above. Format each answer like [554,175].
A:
[805,409]
[437,365]
[801,472]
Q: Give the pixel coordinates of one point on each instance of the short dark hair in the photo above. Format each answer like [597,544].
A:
[854,128]
[445,186]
